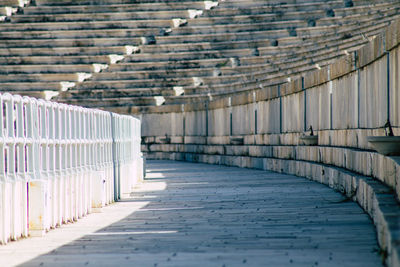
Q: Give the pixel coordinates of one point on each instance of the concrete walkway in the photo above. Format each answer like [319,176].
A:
[189,214]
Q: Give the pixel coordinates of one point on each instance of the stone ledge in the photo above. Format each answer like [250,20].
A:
[374,197]
[368,163]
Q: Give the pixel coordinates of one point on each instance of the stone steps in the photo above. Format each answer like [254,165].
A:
[237,45]
[338,9]
[79,34]
[298,33]
[101,16]
[55,60]
[363,30]
[124,84]
[300,25]
[116,102]
[169,65]
[126,92]
[183,70]
[242,27]
[86,25]
[108,8]
[170,39]
[262,47]
[60,68]
[26,87]
[312,17]
[282,74]
[83,42]
[241,79]
[207,54]
[13,3]
[56,54]
[102,2]
[41,77]
[278,3]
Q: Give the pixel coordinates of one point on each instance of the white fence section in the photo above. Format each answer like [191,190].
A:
[59,162]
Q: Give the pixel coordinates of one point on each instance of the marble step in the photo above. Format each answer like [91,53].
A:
[42,77]
[123,84]
[338,9]
[53,60]
[29,86]
[88,25]
[104,2]
[80,34]
[169,65]
[101,16]
[91,102]
[126,92]
[176,56]
[43,68]
[13,3]
[105,8]
[55,54]
[83,42]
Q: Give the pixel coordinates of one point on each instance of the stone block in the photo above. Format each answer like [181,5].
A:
[268,114]
[256,163]
[388,172]
[249,139]
[315,77]
[325,175]
[371,51]
[217,140]
[342,66]
[267,93]
[291,87]
[272,139]
[289,138]
[242,120]
[195,140]
[283,152]
[392,35]
[373,94]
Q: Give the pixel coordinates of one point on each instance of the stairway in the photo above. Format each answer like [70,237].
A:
[117,54]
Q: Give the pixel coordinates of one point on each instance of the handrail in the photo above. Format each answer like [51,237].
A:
[60,162]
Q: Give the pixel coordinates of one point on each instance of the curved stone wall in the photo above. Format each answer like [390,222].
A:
[344,103]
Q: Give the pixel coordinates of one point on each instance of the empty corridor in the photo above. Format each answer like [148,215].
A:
[188,214]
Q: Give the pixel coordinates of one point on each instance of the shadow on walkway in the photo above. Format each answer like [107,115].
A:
[206,215]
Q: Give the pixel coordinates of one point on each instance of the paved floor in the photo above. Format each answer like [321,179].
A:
[189,214]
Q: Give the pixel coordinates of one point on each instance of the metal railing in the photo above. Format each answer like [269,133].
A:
[59,162]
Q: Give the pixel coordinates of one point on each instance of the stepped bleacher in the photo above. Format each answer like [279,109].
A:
[119,54]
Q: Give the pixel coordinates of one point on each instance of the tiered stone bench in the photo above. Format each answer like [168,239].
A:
[55,45]
[223,51]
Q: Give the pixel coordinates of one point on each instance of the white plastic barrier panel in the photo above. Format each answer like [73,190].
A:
[60,162]
[128,161]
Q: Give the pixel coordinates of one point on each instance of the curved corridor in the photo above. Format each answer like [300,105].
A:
[207,215]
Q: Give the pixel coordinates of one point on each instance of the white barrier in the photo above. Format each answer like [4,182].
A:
[127,157]
[59,162]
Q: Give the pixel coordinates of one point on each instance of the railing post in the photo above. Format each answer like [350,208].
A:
[20,164]
[5,190]
[38,187]
[51,143]
[58,152]
[99,190]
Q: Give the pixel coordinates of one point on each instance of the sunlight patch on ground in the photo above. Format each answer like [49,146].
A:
[18,252]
